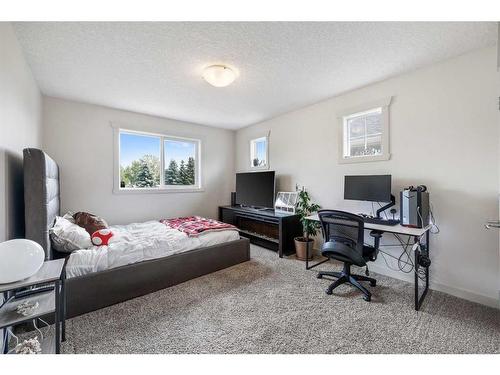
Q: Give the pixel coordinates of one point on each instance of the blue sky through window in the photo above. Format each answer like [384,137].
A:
[261,150]
[135,146]
[178,150]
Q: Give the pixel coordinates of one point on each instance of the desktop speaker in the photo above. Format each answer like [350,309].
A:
[233,198]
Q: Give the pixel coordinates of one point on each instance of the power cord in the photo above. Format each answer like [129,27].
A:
[433,220]
[405,253]
[401,262]
[405,262]
[405,258]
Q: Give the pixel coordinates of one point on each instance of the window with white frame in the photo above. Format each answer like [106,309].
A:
[365,134]
[259,153]
[157,162]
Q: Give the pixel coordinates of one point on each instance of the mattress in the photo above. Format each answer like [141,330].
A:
[138,242]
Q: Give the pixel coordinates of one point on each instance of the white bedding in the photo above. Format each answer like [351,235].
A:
[138,242]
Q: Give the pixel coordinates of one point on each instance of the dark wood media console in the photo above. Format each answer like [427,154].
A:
[274,231]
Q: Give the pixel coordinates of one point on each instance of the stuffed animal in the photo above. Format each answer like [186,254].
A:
[101,237]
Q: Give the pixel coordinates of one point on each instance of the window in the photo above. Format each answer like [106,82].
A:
[180,166]
[365,135]
[142,157]
[259,153]
[139,161]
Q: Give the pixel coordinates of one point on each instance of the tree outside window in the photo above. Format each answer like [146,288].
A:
[142,156]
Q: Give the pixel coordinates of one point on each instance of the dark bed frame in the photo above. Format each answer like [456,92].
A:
[100,289]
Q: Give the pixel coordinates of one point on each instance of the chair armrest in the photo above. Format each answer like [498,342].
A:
[377,235]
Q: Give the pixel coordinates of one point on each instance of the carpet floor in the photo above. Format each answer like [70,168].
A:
[272,305]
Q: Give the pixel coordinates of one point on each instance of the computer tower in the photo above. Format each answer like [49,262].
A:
[414,207]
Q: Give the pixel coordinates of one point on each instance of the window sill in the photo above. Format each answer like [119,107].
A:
[158,190]
[364,159]
[262,167]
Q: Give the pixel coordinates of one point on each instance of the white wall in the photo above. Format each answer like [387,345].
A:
[80,138]
[444,134]
[20,127]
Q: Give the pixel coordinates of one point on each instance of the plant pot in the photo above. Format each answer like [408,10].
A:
[301,246]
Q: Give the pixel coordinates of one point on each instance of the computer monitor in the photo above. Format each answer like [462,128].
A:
[373,188]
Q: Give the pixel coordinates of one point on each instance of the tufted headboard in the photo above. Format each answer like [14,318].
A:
[41,197]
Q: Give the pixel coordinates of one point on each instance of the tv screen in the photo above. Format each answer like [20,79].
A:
[374,188]
[255,189]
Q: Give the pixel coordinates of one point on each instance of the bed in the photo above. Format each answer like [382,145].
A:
[89,291]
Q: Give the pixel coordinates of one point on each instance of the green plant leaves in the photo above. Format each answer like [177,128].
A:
[305,208]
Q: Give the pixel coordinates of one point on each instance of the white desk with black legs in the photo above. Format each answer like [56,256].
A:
[417,234]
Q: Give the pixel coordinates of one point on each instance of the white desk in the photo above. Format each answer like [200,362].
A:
[399,229]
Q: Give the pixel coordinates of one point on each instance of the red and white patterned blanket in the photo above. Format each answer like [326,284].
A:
[195,225]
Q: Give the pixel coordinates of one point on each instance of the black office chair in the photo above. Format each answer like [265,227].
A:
[343,233]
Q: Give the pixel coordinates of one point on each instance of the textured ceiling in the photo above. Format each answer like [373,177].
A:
[155,68]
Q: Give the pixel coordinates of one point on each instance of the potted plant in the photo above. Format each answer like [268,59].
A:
[310,227]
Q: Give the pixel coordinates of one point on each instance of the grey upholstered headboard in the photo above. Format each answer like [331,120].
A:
[41,196]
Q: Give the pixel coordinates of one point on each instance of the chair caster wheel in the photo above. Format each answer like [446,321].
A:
[329,292]
[367,298]
[319,276]
[373,283]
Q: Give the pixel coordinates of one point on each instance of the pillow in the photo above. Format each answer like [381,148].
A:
[101,237]
[69,216]
[89,222]
[67,236]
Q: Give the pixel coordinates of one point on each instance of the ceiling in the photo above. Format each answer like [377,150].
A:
[155,67]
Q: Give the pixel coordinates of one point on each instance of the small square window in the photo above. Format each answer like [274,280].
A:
[259,153]
[365,135]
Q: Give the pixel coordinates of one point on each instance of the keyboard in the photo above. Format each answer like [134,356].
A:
[374,220]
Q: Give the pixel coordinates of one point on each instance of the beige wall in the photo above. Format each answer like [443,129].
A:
[80,138]
[444,134]
[20,127]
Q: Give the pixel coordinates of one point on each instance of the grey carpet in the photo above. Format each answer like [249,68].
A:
[272,305]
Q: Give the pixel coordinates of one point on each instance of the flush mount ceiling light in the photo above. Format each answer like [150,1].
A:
[219,75]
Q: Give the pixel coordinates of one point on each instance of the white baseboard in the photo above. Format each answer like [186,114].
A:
[467,294]
[457,292]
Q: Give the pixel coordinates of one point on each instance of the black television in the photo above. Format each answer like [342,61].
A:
[255,189]
[373,188]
